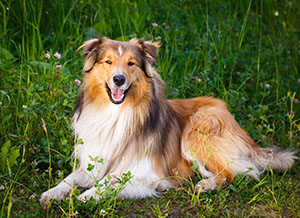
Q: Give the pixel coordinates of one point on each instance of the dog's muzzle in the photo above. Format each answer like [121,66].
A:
[117,93]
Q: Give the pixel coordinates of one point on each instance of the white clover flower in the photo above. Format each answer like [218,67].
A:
[34,163]
[32,197]
[47,56]
[112,181]
[102,212]
[292,112]
[35,184]
[57,67]
[57,55]
[77,82]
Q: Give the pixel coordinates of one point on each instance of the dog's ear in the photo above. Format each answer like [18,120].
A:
[91,50]
[150,49]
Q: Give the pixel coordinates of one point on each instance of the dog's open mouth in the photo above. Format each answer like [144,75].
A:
[117,96]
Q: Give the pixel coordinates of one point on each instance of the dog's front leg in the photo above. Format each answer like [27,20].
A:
[77,178]
[135,189]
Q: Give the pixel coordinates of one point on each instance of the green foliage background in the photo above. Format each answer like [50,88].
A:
[245,52]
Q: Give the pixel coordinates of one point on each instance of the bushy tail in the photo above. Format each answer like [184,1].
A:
[276,158]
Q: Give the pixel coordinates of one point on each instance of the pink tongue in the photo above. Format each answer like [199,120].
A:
[117,94]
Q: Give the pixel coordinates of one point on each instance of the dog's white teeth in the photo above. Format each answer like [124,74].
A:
[117,94]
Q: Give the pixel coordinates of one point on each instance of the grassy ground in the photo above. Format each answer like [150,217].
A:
[245,52]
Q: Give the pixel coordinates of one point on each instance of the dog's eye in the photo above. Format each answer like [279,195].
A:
[108,62]
[130,63]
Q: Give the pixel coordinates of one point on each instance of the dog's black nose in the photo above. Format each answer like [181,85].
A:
[119,79]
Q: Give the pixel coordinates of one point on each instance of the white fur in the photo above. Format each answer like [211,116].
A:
[103,133]
[143,183]
[60,191]
[120,50]
[206,185]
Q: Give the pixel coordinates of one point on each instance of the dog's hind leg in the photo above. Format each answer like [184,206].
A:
[222,149]
[200,143]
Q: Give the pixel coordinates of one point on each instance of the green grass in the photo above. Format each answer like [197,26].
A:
[239,51]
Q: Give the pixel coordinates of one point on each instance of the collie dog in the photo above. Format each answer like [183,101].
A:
[123,118]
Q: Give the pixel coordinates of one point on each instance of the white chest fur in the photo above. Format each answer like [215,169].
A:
[103,132]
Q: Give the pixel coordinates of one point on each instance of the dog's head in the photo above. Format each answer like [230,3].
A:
[116,71]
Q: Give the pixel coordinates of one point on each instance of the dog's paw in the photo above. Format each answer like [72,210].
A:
[206,185]
[88,194]
[54,193]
